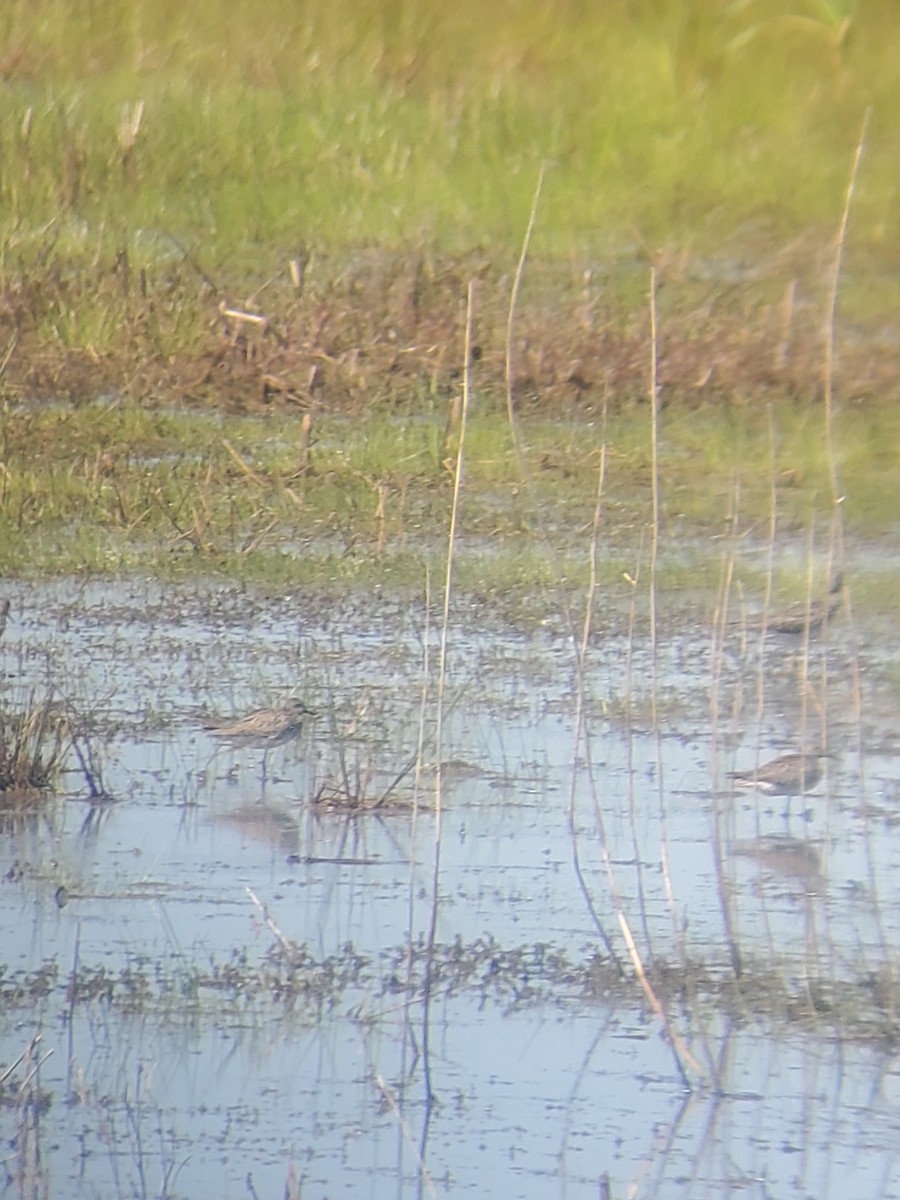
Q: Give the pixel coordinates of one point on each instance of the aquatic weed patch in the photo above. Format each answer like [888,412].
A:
[862,1010]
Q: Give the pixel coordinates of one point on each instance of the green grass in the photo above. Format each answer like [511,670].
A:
[116,488]
[265,126]
[159,160]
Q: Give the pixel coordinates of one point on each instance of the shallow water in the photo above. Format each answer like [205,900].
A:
[202,1076]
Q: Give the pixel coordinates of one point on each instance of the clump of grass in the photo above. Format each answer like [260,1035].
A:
[355,784]
[34,744]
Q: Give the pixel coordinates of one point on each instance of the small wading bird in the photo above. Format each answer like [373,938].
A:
[791,775]
[263,729]
[798,618]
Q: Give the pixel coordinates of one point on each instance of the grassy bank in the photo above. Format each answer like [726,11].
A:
[254,128]
[343,173]
[275,499]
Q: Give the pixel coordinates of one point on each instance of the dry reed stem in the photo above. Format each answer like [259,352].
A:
[241,317]
[654,554]
[654,449]
[8,353]
[717,655]
[780,356]
[510,320]
[683,1056]
[248,470]
[27,1055]
[831,309]
[579,663]
[423,712]
[417,783]
[592,568]
[288,946]
[761,672]
[581,727]
[441,684]
[257,540]
[391,1100]
[634,582]
[451,543]
[582,733]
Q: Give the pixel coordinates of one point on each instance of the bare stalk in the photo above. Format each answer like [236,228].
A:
[654,551]
[511,317]
[408,1039]
[828,368]
[683,1056]
[441,683]
[387,1094]
[717,656]
[451,544]
[289,947]
[634,581]
[582,732]
[761,672]
[654,451]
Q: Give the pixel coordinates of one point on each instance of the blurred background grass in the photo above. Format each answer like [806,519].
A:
[257,129]
[162,163]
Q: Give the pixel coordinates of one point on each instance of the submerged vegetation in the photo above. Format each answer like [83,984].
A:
[517,977]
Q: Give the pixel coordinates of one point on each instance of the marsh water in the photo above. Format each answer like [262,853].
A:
[326,970]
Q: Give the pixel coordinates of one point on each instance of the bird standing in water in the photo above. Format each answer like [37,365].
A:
[799,618]
[264,728]
[791,775]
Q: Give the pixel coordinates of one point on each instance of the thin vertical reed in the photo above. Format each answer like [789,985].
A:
[408,1039]
[720,626]
[582,732]
[831,310]
[441,682]
[510,321]
[654,450]
[761,674]
[634,580]
[838,497]
[654,553]
[682,1056]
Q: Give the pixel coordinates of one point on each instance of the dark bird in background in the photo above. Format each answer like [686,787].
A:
[797,618]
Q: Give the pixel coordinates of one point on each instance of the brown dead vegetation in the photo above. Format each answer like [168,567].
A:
[388,328]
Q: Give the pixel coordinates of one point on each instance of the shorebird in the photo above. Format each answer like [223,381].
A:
[798,618]
[788,776]
[264,728]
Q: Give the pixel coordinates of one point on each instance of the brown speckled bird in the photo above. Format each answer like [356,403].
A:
[264,728]
[788,776]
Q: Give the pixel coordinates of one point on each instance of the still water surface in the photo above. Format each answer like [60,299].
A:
[541,1084]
